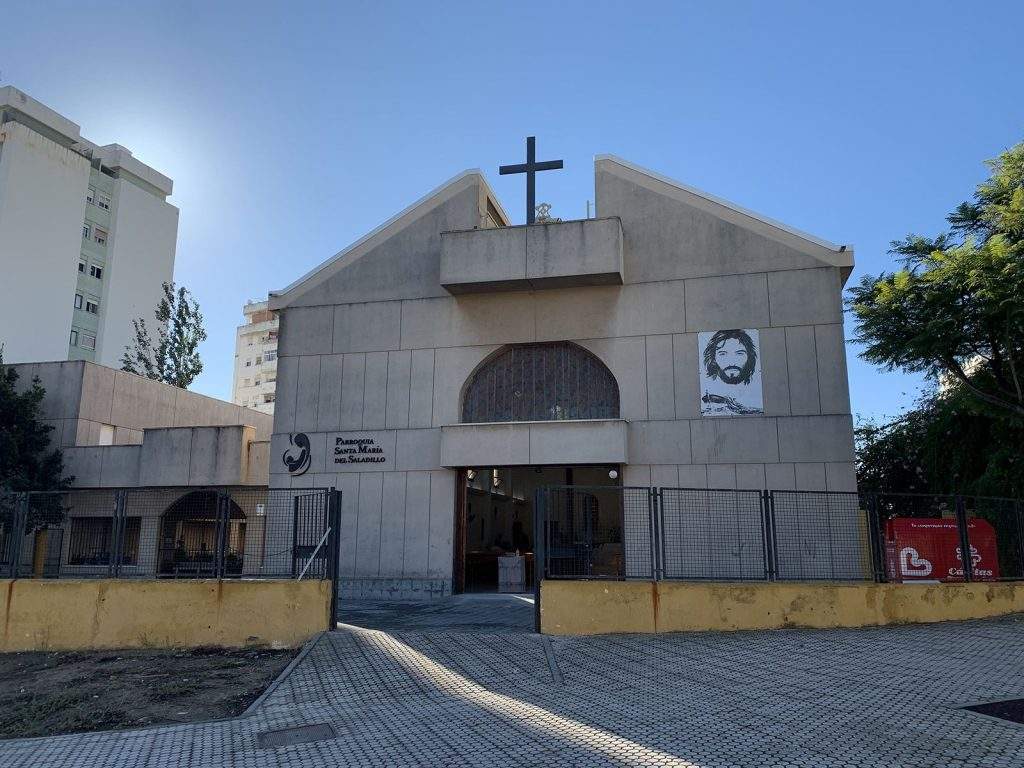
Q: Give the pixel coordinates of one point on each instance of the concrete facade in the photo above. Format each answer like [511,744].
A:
[87,238]
[375,346]
[120,430]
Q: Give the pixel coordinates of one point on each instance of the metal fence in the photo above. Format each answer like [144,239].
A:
[772,535]
[170,533]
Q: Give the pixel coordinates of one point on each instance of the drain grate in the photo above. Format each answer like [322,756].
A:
[1011,709]
[300,734]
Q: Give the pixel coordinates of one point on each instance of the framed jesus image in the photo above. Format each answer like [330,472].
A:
[730,373]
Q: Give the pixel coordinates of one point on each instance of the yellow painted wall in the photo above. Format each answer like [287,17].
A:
[66,614]
[601,607]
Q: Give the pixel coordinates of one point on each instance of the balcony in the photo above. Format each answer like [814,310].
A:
[552,255]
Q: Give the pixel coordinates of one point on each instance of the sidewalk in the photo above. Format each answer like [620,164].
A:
[870,697]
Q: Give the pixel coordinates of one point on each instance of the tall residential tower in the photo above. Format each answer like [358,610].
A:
[255,380]
[87,237]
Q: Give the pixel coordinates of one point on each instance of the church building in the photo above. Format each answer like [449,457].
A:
[446,365]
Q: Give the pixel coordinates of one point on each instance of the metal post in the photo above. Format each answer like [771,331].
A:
[773,544]
[965,539]
[765,546]
[876,539]
[540,550]
[117,534]
[333,519]
[223,505]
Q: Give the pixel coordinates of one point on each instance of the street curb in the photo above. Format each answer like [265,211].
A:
[309,646]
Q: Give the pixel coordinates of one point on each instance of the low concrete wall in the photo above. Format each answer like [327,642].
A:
[602,607]
[69,614]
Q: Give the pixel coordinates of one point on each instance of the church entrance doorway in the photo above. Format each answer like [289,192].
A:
[494,522]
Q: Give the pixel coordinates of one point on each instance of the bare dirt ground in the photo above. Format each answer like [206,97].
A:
[45,694]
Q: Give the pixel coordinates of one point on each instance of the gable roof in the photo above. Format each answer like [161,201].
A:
[283,297]
[829,253]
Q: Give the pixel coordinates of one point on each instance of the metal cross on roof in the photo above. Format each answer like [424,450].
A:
[530,168]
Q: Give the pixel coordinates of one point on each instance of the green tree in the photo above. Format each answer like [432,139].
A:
[943,445]
[27,463]
[956,309]
[174,358]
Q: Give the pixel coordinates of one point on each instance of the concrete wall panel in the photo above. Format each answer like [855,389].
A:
[833,382]
[686,375]
[806,296]
[693,476]
[841,476]
[368,528]
[375,391]
[451,369]
[399,383]
[810,476]
[661,397]
[418,449]
[286,392]
[442,522]
[802,362]
[328,410]
[352,386]
[659,442]
[421,388]
[746,439]
[306,331]
[307,397]
[722,476]
[816,438]
[774,371]
[392,525]
[731,301]
[417,523]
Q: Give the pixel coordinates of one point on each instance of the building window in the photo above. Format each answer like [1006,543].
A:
[103,201]
[96,272]
[90,196]
[91,539]
[74,338]
[268,397]
[92,307]
[99,235]
[106,434]
[269,356]
[87,341]
[86,231]
[78,301]
[248,363]
[81,267]
[541,382]
[259,360]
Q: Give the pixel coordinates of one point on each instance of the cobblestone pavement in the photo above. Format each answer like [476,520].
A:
[870,697]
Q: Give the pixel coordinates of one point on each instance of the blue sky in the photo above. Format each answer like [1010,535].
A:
[292,129]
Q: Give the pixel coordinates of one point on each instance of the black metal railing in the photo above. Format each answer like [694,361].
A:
[613,532]
[170,533]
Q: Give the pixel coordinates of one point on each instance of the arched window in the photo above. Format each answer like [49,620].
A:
[541,382]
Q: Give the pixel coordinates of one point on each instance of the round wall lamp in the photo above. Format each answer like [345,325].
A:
[613,474]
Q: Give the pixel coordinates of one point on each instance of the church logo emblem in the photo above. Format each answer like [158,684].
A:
[297,464]
[730,373]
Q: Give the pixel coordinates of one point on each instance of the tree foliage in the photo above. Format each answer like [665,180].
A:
[944,445]
[174,357]
[27,463]
[956,309]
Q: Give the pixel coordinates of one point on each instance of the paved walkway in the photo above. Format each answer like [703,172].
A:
[461,613]
[871,697]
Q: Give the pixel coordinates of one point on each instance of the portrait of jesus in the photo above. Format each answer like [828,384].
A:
[730,373]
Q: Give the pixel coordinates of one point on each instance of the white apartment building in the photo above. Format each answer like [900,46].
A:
[255,379]
[87,237]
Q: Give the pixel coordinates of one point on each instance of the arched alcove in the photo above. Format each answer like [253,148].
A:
[540,382]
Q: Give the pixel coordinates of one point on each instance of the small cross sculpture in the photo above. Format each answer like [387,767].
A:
[530,168]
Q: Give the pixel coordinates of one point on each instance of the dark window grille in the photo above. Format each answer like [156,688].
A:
[541,382]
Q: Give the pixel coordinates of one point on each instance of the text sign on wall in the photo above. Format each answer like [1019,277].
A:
[358,450]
